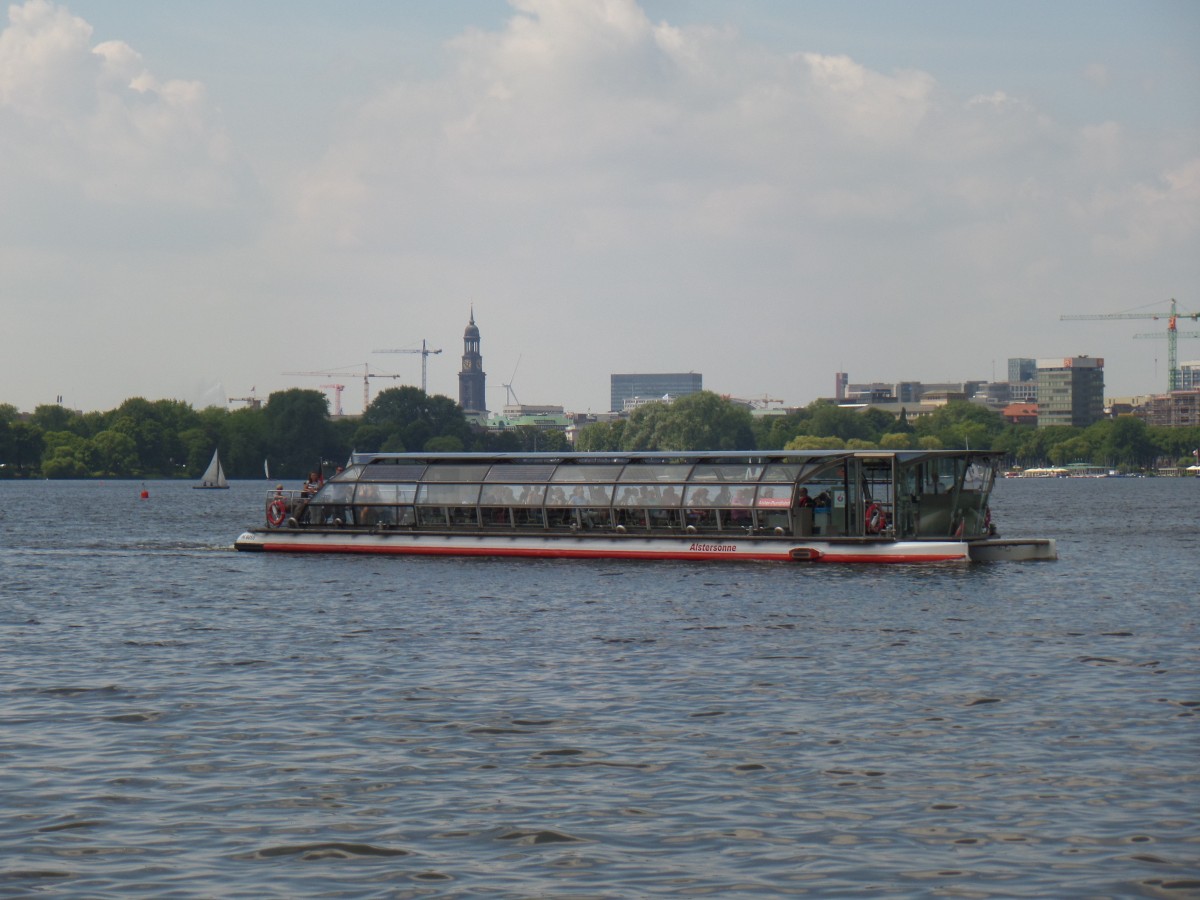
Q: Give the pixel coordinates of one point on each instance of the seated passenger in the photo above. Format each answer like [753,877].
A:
[803,500]
[311,485]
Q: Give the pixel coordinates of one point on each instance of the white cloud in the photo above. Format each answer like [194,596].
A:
[92,121]
[612,192]
[1138,221]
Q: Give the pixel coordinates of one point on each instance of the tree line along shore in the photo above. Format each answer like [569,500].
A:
[292,433]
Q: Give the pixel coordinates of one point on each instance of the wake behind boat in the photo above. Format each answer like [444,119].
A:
[214,475]
[816,506]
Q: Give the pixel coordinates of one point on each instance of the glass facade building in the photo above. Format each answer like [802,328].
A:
[653,386]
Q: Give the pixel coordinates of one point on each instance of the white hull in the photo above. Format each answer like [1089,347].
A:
[691,548]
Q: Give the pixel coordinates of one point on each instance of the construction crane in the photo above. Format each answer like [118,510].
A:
[337,397]
[252,401]
[1172,335]
[342,374]
[367,375]
[425,354]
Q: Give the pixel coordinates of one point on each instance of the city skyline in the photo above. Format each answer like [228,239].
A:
[199,200]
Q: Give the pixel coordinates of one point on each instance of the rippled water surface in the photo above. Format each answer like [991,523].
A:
[177,719]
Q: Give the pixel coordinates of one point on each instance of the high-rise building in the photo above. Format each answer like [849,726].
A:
[472,380]
[1070,391]
[627,387]
[1021,369]
[1022,379]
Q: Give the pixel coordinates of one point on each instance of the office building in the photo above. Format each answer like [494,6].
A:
[1021,370]
[1070,391]
[653,387]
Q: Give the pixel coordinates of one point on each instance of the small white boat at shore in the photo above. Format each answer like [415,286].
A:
[816,506]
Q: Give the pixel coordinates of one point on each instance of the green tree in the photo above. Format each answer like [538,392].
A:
[830,420]
[298,435]
[244,445]
[773,432]
[67,455]
[601,437]
[52,417]
[811,442]
[962,424]
[898,440]
[1126,443]
[704,421]
[410,418]
[114,453]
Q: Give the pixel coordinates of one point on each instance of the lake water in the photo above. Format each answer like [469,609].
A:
[180,720]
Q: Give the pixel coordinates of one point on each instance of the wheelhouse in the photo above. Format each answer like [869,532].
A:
[830,495]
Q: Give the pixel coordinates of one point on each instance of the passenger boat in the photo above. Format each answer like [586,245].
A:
[874,506]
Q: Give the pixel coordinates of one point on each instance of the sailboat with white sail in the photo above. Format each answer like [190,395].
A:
[214,475]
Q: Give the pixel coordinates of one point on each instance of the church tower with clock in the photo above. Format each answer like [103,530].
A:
[472,379]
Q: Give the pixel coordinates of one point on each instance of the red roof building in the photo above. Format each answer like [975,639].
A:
[1020,413]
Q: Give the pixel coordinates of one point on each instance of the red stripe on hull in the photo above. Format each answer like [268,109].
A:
[582,553]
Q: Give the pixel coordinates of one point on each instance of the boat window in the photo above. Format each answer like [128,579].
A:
[720,495]
[654,472]
[580,495]
[517,473]
[701,497]
[350,473]
[432,515]
[587,473]
[455,473]
[709,473]
[383,493]
[448,494]
[647,495]
[335,492]
[512,495]
[782,472]
[978,476]
[390,472]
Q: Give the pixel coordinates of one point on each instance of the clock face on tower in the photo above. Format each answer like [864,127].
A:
[466,364]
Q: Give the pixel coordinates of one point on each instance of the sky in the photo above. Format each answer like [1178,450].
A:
[199,198]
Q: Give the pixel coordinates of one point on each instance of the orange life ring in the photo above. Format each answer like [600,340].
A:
[875,519]
[276,512]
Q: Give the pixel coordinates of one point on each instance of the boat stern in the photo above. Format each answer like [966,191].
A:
[1013,550]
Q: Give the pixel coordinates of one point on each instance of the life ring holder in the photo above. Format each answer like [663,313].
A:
[276,512]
